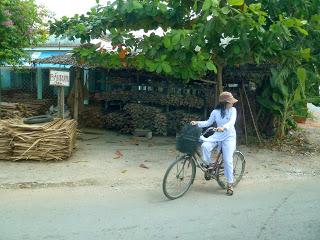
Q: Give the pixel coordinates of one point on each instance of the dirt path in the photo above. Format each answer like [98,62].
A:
[108,159]
[284,210]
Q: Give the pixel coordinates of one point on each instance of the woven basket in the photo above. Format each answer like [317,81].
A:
[188,140]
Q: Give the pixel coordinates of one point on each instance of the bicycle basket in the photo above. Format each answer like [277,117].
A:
[188,139]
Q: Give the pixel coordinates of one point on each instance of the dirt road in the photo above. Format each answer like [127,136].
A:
[104,158]
[281,210]
[111,189]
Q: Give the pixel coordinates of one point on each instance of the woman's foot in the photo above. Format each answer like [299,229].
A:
[229,190]
[211,166]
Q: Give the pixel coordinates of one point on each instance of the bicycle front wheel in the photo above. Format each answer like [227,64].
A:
[239,165]
[179,177]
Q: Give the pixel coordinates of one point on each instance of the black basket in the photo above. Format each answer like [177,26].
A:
[188,140]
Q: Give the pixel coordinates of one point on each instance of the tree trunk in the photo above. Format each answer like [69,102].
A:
[219,86]
[76,95]
[219,78]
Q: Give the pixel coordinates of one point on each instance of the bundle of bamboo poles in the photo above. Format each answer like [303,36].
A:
[51,141]
[5,149]
[13,110]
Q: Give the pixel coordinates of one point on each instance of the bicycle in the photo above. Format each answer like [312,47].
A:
[187,163]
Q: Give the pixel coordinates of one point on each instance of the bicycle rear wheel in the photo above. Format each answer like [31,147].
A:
[239,165]
[179,177]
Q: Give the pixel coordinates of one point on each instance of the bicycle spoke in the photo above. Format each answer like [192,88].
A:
[179,178]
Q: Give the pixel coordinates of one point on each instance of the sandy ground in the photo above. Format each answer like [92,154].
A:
[281,210]
[95,162]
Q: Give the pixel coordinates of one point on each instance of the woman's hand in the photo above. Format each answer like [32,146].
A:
[193,123]
[220,129]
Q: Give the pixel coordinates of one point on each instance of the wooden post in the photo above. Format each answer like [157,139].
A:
[219,78]
[243,116]
[61,102]
[76,95]
[0,91]
[253,120]
[39,83]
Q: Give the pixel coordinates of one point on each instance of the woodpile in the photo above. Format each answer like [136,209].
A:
[43,142]
[91,116]
[176,119]
[146,117]
[138,116]
[29,103]
[5,139]
[37,107]
[13,110]
[152,98]
[120,121]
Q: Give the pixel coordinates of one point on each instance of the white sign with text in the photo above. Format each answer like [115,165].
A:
[59,78]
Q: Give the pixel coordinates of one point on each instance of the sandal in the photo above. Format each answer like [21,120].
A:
[229,190]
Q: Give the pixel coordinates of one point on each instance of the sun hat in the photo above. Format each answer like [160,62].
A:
[227,97]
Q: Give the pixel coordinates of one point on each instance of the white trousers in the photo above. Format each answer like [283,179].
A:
[228,147]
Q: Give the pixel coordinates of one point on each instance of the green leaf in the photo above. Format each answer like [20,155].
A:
[225,10]
[303,31]
[136,5]
[302,76]
[163,57]
[305,53]
[235,2]
[167,42]
[166,67]
[186,41]
[206,5]
[277,98]
[151,65]
[284,89]
[236,49]
[297,95]
[195,6]
[255,7]
[176,39]
[159,68]
[211,66]
[163,8]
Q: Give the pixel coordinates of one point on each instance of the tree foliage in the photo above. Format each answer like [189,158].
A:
[200,36]
[21,26]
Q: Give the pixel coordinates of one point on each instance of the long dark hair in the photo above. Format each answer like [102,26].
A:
[222,107]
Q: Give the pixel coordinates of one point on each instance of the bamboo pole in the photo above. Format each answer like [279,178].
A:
[253,120]
[76,95]
[243,116]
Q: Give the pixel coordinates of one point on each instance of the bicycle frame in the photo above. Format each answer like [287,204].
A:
[198,159]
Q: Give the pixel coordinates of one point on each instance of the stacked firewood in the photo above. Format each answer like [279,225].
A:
[14,110]
[160,124]
[152,97]
[31,105]
[5,149]
[137,116]
[147,117]
[43,142]
[37,107]
[176,119]
[119,121]
[91,116]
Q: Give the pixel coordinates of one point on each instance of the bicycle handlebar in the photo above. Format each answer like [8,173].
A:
[209,129]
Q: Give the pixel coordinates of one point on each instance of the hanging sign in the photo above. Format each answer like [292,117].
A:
[59,78]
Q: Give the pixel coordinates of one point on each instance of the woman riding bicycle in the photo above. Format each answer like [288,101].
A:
[225,116]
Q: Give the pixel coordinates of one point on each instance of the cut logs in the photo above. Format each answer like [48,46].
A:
[51,141]
[91,116]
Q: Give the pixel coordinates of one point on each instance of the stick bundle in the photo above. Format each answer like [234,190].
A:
[51,141]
